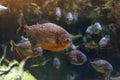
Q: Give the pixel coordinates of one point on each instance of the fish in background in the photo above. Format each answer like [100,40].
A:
[58,13]
[2,9]
[71,76]
[94,29]
[76,57]
[103,67]
[104,40]
[23,48]
[75,17]
[48,36]
[56,63]
[73,47]
[69,18]
[90,30]
[97,28]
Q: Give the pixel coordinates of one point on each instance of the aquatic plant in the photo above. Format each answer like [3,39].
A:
[14,70]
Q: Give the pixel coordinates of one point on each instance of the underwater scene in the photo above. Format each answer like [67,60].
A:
[59,39]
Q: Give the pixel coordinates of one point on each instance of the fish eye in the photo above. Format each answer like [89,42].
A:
[68,40]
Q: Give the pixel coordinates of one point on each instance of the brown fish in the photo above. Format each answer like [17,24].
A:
[47,35]
[23,49]
[77,57]
[56,62]
[102,66]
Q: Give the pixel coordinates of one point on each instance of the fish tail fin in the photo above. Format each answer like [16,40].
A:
[21,21]
[12,43]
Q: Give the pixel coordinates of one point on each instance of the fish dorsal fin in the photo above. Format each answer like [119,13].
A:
[43,21]
[21,20]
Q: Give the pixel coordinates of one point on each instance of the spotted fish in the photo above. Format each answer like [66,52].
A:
[47,35]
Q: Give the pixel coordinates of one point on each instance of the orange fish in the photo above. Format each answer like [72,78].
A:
[47,35]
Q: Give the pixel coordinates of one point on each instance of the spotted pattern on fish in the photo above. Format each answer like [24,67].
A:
[48,35]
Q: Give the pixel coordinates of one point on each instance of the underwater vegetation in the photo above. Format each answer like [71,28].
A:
[59,40]
[13,70]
